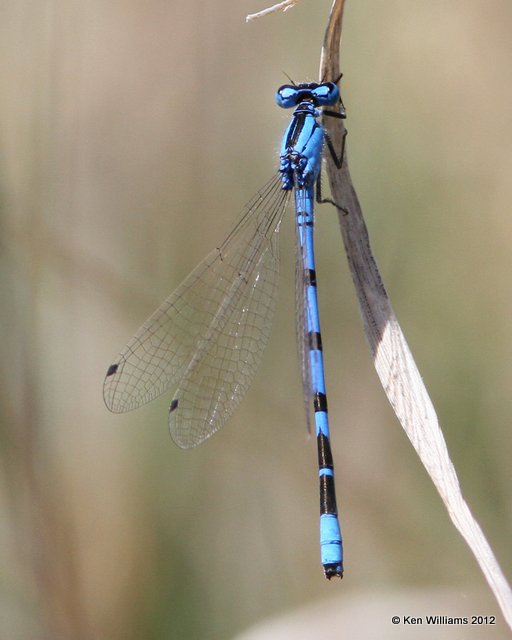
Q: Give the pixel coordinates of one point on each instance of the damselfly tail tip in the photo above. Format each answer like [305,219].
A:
[333,571]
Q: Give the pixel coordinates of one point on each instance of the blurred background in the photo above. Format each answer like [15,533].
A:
[132,133]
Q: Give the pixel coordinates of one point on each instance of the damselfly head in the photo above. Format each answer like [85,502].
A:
[319,94]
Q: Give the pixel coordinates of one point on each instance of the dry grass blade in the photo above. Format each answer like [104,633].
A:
[392,358]
[280,6]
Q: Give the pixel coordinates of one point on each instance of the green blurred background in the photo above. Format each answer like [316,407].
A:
[132,133]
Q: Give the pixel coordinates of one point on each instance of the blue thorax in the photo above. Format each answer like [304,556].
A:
[302,144]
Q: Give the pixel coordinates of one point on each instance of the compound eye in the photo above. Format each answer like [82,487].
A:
[326,93]
[287,96]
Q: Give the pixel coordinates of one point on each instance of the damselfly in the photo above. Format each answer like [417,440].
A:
[207,339]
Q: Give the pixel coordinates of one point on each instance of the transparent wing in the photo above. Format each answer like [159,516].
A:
[301,335]
[210,333]
[301,321]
